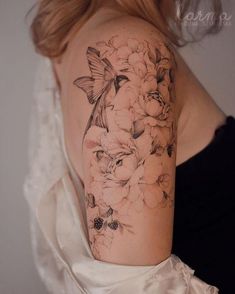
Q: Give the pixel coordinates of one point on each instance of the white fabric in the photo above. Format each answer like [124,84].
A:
[59,235]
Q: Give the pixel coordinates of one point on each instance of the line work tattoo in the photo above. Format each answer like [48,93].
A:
[130,137]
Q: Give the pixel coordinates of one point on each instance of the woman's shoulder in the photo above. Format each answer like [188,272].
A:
[123,41]
[116,31]
[124,25]
[126,44]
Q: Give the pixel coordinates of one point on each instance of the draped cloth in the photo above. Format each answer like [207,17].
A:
[59,233]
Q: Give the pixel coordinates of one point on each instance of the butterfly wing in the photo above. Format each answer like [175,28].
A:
[101,68]
[102,74]
[86,84]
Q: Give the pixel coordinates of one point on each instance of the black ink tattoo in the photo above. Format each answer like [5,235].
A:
[103,77]
[131,132]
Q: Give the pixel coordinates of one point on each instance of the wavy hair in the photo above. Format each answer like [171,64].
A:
[56,20]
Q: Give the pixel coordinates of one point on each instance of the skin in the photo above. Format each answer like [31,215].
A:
[146,114]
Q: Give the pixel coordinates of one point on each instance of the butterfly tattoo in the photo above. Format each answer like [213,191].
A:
[102,80]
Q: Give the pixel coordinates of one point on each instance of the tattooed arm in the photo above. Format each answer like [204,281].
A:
[129,149]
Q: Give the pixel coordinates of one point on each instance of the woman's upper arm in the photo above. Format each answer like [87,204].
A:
[129,148]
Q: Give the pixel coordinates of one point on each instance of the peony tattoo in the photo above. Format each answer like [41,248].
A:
[130,137]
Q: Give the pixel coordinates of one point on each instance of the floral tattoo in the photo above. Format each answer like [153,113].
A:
[130,136]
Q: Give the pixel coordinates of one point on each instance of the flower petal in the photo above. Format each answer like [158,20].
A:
[124,52]
[152,195]
[138,205]
[113,195]
[133,44]
[153,167]
[123,119]
[134,58]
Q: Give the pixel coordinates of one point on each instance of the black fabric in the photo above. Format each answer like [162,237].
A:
[204,221]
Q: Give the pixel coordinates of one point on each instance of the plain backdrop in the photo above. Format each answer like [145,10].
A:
[213,61]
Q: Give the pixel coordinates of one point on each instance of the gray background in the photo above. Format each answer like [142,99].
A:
[212,60]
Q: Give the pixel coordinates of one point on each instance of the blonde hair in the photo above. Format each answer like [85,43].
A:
[57,20]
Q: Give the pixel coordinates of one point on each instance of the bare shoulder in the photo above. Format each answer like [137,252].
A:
[117,31]
[130,25]
[125,54]
[127,45]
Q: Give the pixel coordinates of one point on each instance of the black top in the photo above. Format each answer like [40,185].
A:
[204,222]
